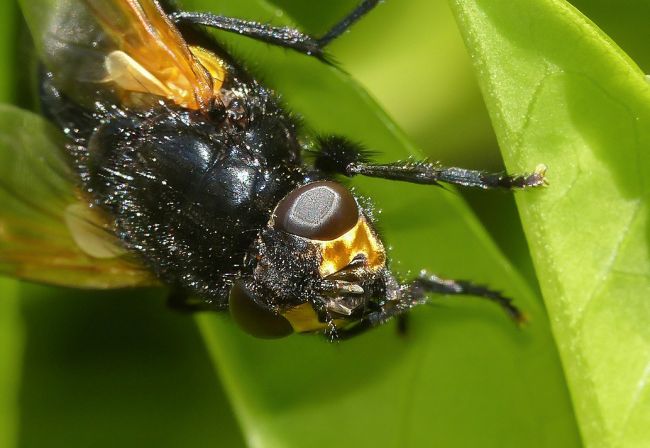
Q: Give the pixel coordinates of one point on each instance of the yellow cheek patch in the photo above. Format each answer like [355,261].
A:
[304,319]
[359,240]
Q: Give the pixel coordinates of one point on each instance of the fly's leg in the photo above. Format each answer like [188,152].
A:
[281,36]
[416,292]
[336,155]
[402,324]
[424,172]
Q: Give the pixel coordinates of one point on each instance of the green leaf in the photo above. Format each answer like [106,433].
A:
[625,24]
[464,375]
[7,48]
[562,93]
[11,323]
[107,369]
[11,352]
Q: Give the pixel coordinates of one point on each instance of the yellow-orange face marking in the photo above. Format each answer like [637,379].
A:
[304,319]
[359,240]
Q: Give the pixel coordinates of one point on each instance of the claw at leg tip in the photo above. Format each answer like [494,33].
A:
[522,319]
[540,173]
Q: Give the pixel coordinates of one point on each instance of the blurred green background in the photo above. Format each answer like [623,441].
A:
[118,369]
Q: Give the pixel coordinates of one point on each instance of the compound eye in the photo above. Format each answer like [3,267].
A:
[253,318]
[319,211]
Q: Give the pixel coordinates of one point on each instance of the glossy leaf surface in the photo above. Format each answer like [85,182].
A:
[562,92]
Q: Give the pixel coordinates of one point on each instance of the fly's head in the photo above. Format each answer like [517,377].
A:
[319,265]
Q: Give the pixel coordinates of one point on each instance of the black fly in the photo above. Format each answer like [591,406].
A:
[181,168]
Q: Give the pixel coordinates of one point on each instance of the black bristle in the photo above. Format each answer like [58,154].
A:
[335,154]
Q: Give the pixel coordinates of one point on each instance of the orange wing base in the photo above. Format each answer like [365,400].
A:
[153,58]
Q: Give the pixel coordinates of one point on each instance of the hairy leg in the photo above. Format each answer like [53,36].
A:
[281,36]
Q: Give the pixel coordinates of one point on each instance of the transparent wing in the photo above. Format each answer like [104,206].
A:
[48,234]
[127,48]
